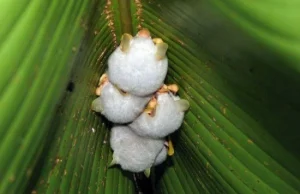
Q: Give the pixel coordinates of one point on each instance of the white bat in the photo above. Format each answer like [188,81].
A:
[139,65]
[134,153]
[117,106]
[168,117]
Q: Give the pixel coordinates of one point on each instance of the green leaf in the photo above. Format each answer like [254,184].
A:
[238,126]
[237,63]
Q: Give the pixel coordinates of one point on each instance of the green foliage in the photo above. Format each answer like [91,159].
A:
[237,64]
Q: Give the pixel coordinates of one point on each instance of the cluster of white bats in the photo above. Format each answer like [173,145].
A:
[132,94]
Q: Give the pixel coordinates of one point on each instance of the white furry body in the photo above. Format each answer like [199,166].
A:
[118,107]
[166,120]
[132,152]
[138,71]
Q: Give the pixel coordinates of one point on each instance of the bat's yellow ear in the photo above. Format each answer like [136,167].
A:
[157,40]
[125,42]
[113,162]
[151,107]
[170,147]
[173,88]
[97,105]
[103,79]
[182,105]
[147,172]
[161,50]
[163,89]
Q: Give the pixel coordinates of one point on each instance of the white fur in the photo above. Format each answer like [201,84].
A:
[137,72]
[167,119]
[132,152]
[161,157]
[119,108]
